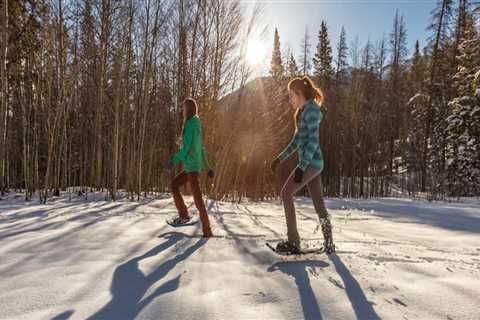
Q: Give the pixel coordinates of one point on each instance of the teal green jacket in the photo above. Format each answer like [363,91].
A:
[307,138]
[192,153]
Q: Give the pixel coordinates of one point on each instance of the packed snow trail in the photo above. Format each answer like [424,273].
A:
[396,259]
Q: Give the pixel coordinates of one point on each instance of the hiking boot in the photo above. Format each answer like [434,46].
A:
[288,247]
[180,220]
[327,235]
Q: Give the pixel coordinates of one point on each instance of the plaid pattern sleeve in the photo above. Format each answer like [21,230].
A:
[291,148]
[311,126]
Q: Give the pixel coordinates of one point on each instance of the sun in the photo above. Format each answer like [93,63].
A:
[255,52]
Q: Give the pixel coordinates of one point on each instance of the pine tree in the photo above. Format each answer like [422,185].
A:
[292,69]
[341,61]
[417,110]
[463,131]
[432,153]
[322,60]
[417,70]
[276,69]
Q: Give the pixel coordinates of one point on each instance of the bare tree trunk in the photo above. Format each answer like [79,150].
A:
[25,142]
[104,46]
[3,94]
[52,127]
[116,127]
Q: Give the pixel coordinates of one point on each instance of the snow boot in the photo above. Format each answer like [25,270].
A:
[288,247]
[327,235]
[180,220]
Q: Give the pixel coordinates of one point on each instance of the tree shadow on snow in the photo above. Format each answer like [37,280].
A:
[129,283]
[361,306]
[298,270]
[449,216]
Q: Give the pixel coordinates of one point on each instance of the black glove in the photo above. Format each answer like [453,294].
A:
[210,173]
[298,175]
[274,165]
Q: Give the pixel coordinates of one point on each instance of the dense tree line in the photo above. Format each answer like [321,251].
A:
[91,90]
[398,120]
[91,94]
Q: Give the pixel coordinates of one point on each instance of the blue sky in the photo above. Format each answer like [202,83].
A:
[367,19]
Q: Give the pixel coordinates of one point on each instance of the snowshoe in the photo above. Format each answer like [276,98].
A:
[288,250]
[182,222]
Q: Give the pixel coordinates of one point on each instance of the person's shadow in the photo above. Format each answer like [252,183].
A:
[129,284]
[298,270]
[361,306]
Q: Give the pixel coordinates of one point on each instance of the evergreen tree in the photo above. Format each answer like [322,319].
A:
[416,111]
[432,153]
[341,61]
[417,70]
[463,131]
[322,60]
[276,69]
[292,69]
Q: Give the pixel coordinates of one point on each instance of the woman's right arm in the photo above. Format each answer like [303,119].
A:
[290,149]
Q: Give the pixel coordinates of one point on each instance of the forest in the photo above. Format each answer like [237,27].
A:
[91,94]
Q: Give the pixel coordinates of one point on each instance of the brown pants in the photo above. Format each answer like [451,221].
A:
[180,180]
[311,179]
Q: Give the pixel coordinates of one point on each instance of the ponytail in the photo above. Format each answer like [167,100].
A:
[305,86]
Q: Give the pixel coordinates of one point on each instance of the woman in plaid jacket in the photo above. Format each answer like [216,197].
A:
[307,101]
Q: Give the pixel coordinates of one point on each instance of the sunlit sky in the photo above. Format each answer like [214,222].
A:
[367,19]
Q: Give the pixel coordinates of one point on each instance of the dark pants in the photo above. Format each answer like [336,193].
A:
[180,180]
[311,179]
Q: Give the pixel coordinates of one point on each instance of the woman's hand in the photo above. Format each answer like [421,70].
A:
[179,142]
[298,175]
[274,165]
[211,174]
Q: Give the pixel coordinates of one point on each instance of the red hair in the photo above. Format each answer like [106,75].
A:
[305,87]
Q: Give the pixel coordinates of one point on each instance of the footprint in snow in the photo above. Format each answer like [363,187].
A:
[336,283]
[399,302]
[260,293]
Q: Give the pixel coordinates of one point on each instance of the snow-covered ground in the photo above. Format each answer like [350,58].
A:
[396,259]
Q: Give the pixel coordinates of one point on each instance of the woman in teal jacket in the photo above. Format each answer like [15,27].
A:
[307,101]
[193,157]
